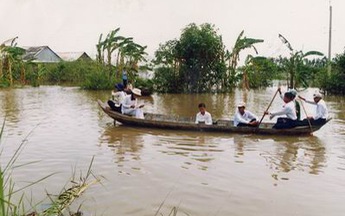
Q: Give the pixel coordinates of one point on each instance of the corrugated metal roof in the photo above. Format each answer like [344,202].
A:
[31,53]
[73,56]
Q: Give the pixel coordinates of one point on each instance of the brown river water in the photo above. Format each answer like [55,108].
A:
[197,173]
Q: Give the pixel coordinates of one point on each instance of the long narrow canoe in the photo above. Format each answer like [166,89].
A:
[182,123]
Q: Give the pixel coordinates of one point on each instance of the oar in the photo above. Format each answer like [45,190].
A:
[263,116]
[305,112]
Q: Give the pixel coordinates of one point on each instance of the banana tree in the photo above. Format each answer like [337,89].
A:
[112,43]
[130,56]
[241,44]
[99,47]
[11,56]
[294,65]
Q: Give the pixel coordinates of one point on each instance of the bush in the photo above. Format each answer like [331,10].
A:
[97,81]
[335,83]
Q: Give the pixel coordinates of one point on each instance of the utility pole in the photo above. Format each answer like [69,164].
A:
[330,41]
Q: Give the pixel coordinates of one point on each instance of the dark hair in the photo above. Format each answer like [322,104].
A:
[202,105]
[289,95]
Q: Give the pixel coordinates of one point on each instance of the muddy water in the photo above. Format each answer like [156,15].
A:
[196,173]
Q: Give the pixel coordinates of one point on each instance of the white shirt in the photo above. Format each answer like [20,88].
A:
[321,109]
[245,118]
[289,110]
[118,97]
[127,103]
[207,118]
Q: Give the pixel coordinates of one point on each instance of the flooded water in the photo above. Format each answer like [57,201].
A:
[193,172]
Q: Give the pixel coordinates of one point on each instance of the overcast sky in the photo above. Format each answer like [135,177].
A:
[75,25]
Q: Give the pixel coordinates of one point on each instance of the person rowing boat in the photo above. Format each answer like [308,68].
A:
[288,111]
[321,111]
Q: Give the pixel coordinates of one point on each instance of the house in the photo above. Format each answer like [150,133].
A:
[74,56]
[42,54]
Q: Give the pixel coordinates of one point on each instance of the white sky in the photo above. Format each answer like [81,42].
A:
[75,25]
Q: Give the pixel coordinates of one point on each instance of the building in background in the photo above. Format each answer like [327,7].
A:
[41,54]
[74,56]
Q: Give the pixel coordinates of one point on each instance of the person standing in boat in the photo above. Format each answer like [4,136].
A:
[203,116]
[288,110]
[117,97]
[244,117]
[124,78]
[129,105]
[297,105]
[321,111]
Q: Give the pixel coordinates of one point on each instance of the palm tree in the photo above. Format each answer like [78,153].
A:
[293,65]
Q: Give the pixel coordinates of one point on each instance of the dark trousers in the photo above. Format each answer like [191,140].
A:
[312,122]
[283,123]
[247,125]
[113,107]
[125,82]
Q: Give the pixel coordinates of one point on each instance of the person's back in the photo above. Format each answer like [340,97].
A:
[117,97]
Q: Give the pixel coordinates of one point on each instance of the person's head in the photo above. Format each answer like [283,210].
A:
[202,108]
[119,87]
[293,92]
[241,107]
[136,93]
[288,96]
[317,97]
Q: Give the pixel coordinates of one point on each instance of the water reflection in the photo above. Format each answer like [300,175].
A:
[307,154]
[9,106]
[125,142]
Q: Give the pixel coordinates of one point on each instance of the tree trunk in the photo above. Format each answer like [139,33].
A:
[10,72]
[22,74]
[1,68]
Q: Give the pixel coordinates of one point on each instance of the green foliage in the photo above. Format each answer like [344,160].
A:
[166,80]
[258,72]
[194,63]
[335,83]
[97,80]
[296,66]
[144,84]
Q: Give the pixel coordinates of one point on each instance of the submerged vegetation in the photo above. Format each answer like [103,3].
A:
[198,61]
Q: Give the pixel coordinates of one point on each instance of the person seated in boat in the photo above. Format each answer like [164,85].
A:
[129,105]
[117,97]
[321,115]
[203,116]
[244,117]
[297,105]
[288,110]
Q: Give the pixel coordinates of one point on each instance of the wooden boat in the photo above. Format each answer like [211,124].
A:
[183,123]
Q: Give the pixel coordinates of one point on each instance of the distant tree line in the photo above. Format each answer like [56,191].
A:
[197,61]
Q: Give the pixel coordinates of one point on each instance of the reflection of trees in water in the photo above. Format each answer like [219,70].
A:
[125,142]
[9,105]
[303,154]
